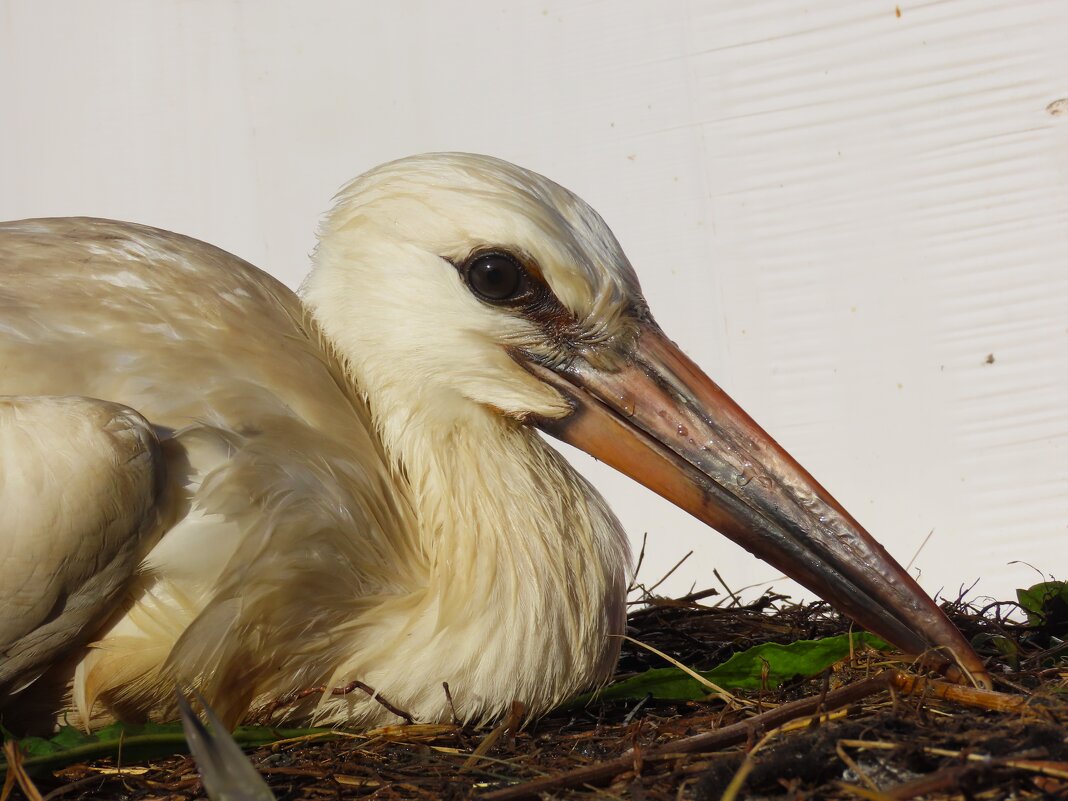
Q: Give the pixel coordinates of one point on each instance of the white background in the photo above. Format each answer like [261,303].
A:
[840,208]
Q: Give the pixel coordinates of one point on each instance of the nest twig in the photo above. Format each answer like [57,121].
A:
[867,729]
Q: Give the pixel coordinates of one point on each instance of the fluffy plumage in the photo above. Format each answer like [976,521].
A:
[78,485]
[349,490]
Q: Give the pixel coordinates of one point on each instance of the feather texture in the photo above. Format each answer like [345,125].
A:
[350,493]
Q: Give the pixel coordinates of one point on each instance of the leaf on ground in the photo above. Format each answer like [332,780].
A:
[133,741]
[1042,602]
[767,665]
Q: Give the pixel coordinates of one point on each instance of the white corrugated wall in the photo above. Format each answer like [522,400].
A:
[852,213]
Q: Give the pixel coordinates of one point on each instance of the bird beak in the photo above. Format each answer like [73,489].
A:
[656,417]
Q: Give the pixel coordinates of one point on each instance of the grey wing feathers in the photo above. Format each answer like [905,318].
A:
[225,771]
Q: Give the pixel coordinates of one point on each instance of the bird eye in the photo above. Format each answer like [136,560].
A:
[496,277]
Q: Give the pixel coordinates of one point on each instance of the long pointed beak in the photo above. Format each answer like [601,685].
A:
[660,420]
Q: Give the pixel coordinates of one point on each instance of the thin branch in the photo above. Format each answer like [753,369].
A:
[919,550]
[667,575]
[371,691]
[730,592]
[509,724]
[701,743]
[966,696]
[637,567]
[13,754]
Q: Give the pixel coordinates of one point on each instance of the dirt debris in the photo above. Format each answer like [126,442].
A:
[886,745]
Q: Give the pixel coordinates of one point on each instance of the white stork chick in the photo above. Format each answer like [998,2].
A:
[353,488]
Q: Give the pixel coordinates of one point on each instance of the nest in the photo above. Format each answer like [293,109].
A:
[866,728]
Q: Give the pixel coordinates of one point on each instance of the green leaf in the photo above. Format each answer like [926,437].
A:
[1040,600]
[135,742]
[743,671]
[1005,646]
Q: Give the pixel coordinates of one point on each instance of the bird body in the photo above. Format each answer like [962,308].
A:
[77,498]
[348,486]
[284,520]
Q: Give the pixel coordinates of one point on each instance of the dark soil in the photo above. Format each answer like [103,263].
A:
[887,745]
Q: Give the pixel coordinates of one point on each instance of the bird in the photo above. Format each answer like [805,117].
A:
[209,481]
[225,771]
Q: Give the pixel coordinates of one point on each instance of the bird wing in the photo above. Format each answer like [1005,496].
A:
[225,771]
[78,485]
[279,511]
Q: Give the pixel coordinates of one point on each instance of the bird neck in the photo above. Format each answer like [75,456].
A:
[495,501]
[525,562]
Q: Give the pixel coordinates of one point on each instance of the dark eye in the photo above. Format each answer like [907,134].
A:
[496,277]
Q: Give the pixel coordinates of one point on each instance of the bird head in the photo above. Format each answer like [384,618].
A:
[471,286]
